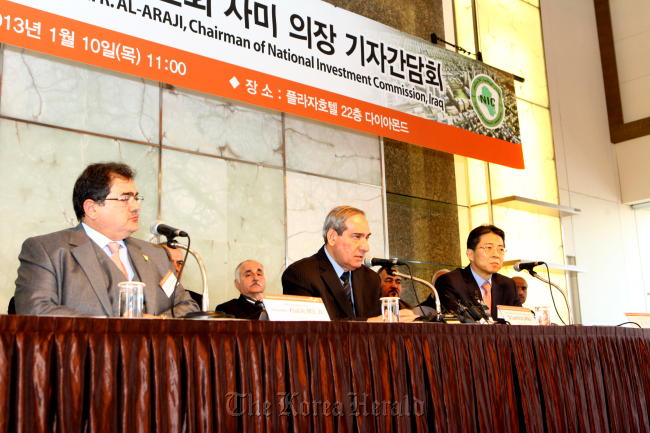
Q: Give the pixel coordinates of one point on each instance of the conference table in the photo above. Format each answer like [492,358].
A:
[142,375]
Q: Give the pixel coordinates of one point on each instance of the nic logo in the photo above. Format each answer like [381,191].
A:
[487,100]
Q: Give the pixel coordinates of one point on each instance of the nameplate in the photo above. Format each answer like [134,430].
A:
[287,308]
[642,319]
[516,315]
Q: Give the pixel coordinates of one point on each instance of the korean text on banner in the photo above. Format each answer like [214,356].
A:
[303,57]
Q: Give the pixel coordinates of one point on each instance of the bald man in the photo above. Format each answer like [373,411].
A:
[438,274]
[250,280]
[430,301]
[522,286]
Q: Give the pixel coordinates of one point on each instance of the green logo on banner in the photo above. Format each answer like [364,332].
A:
[487,100]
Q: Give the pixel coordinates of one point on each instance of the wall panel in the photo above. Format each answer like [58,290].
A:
[53,91]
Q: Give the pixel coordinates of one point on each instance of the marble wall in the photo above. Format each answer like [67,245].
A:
[52,91]
[423,210]
[244,181]
[416,17]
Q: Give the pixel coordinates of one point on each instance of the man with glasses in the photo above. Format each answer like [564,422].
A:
[75,272]
[486,248]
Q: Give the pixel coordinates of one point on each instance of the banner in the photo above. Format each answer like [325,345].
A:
[303,57]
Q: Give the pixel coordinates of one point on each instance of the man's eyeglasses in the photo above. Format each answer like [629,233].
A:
[489,250]
[126,201]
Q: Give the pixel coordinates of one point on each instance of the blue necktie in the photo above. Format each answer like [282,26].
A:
[346,285]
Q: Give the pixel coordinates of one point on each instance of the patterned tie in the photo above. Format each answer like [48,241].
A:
[487,297]
[115,256]
[346,285]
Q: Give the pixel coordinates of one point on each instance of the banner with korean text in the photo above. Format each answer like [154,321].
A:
[303,57]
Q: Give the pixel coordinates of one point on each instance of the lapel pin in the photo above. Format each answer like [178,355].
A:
[146,257]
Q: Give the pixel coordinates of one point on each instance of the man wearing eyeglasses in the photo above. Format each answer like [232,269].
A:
[75,272]
[486,251]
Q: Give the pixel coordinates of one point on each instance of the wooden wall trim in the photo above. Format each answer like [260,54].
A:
[619,131]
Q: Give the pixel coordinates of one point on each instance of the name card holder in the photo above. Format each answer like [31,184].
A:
[285,308]
[642,319]
[517,315]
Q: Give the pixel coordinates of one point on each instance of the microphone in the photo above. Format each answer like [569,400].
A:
[464,315]
[371,261]
[473,312]
[258,304]
[527,266]
[159,228]
[483,309]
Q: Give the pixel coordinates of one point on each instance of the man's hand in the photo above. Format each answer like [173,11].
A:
[407,316]
[404,316]
[152,316]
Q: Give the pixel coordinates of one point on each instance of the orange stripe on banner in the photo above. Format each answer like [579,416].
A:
[180,68]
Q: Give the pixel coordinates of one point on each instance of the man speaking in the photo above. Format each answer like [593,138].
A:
[75,272]
[336,272]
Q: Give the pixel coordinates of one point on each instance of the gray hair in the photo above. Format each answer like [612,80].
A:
[238,268]
[336,219]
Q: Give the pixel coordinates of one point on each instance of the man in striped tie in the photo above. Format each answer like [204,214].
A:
[486,249]
[336,273]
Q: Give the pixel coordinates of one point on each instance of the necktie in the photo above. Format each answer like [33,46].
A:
[115,257]
[346,285]
[487,297]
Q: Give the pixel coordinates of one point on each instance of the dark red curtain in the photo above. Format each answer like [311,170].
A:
[96,375]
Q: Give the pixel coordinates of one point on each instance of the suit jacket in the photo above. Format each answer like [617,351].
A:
[315,276]
[460,284]
[241,308]
[60,275]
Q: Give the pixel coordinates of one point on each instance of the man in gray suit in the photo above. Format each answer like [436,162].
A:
[75,272]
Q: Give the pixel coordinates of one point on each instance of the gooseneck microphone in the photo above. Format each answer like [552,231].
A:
[526,266]
[159,228]
[469,309]
[464,315]
[483,309]
[371,261]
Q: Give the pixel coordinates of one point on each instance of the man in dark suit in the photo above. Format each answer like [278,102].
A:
[75,272]
[336,273]
[485,250]
[175,255]
[391,287]
[251,282]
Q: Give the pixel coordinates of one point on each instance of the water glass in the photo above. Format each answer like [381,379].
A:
[542,316]
[389,309]
[131,298]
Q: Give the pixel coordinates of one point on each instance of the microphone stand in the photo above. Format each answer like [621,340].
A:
[440,317]
[566,298]
[205,303]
